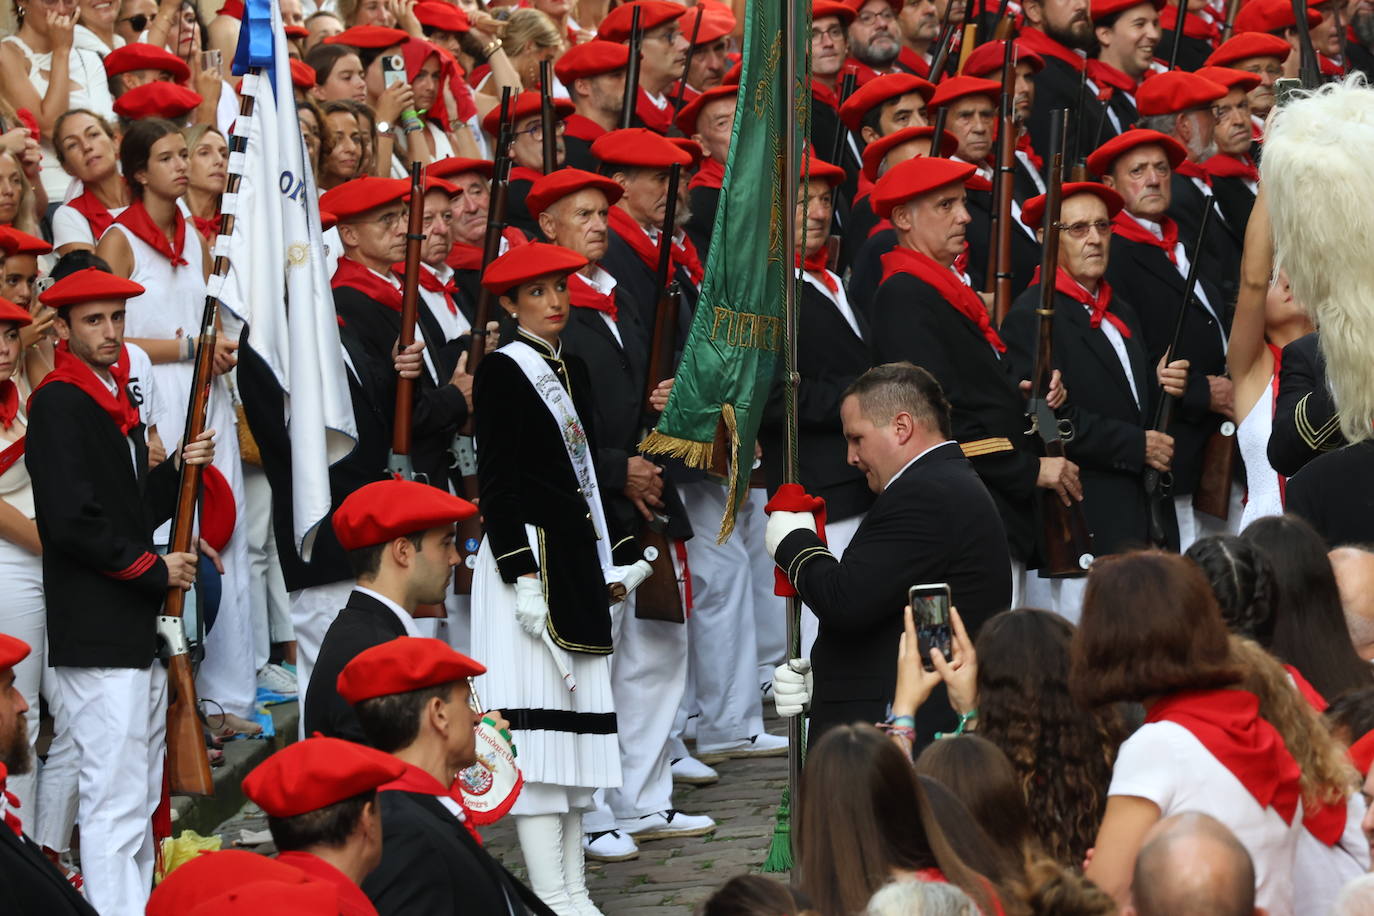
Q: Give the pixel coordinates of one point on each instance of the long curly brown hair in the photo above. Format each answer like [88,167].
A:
[1062,753]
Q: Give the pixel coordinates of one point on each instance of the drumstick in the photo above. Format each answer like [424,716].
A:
[557,654]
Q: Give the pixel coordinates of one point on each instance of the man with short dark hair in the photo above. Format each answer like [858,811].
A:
[594,74]
[1127,34]
[1061,32]
[1192,865]
[711,53]
[664,55]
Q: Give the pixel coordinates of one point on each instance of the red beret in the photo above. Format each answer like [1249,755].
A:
[374,37]
[959,87]
[987,58]
[716,23]
[732,76]
[687,117]
[530,262]
[218,514]
[231,8]
[591,58]
[207,875]
[857,5]
[916,177]
[404,664]
[640,147]
[13,242]
[296,32]
[442,16]
[388,509]
[140,56]
[272,898]
[1231,79]
[820,9]
[89,285]
[12,650]
[157,100]
[555,186]
[10,311]
[435,183]
[1272,16]
[316,773]
[875,151]
[457,165]
[1246,45]
[816,169]
[1362,753]
[355,197]
[1101,9]
[302,74]
[1033,210]
[653,13]
[882,89]
[525,105]
[1100,161]
[1176,91]
[327,220]
[691,148]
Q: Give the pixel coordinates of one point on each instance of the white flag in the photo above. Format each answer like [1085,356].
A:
[278,281]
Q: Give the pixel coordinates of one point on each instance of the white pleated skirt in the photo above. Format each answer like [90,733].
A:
[521,674]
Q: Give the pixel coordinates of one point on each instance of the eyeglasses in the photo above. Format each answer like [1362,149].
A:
[886,16]
[834,33]
[137,22]
[1080,230]
[536,131]
[388,221]
[668,37]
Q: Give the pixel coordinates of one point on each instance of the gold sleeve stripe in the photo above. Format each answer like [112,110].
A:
[512,553]
[617,544]
[1313,437]
[986,446]
[805,556]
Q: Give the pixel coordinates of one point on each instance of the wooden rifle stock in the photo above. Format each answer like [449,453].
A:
[681,93]
[1213,493]
[632,70]
[1157,484]
[547,121]
[1229,26]
[943,43]
[1067,541]
[399,463]
[970,36]
[999,277]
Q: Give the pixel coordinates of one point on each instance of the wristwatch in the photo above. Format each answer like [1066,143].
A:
[384,128]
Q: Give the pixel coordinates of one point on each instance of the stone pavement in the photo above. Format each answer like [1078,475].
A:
[670,877]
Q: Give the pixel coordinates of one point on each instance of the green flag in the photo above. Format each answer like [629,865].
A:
[736,337]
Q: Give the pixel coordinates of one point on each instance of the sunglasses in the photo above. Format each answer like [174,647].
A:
[137,22]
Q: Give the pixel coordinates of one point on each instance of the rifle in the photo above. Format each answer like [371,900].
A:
[1229,26]
[659,597]
[398,463]
[469,532]
[1003,178]
[1157,484]
[937,138]
[943,43]
[970,39]
[1005,24]
[546,119]
[687,64]
[1080,159]
[1068,543]
[847,86]
[1178,33]
[627,113]
[1309,70]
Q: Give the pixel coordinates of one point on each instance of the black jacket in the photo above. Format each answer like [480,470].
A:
[1058,86]
[988,413]
[1108,440]
[1305,422]
[432,865]
[934,523]
[97,507]
[30,885]
[363,623]
[704,200]
[866,272]
[1333,493]
[1025,251]
[1222,247]
[1236,201]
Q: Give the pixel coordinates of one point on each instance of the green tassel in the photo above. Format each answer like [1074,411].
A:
[780,850]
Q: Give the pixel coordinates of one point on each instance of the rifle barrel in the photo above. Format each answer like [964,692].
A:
[632,70]
[496,224]
[665,314]
[1182,9]
[410,308]
[687,64]
[546,116]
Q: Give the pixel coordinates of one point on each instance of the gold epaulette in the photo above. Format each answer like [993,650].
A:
[1313,438]
[986,446]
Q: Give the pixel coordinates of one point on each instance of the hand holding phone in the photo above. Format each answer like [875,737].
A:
[930,608]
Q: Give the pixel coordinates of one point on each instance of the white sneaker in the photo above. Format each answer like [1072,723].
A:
[664,824]
[760,745]
[609,846]
[277,679]
[693,772]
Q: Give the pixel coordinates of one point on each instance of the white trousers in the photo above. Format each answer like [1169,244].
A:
[312,611]
[770,610]
[723,649]
[838,534]
[118,720]
[1063,596]
[22,616]
[267,589]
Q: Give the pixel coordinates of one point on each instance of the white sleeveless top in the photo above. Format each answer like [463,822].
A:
[1253,435]
[89,89]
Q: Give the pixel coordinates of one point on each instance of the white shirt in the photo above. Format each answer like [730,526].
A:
[604,283]
[1118,343]
[916,459]
[837,298]
[1182,263]
[406,620]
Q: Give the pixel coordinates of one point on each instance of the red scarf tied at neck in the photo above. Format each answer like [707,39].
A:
[418,781]
[9,403]
[1099,304]
[659,120]
[1189,169]
[430,282]
[954,291]
[10,802]
[1223,165]
[351,274]
[1130,230]
[817,266]
[583,295]
[69,368]
[96,213]
[209,226]
[138,221]
[684,253]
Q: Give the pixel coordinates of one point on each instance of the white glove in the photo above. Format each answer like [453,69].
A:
[531,610]
[629,577]
[792,686]
[781,524]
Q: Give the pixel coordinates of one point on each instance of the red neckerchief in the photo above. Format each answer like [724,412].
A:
[1329,67]
[137,221]
[1194,26]
[208,227]
[96,213]
[816,266]
[351,899]
[429,281]
[9,403]
[913,63]
[659,120]
[685,255]
[823,93]
[1109,78]
[353,275]
[1228,724]
[72,370]
[1190,169]
[1032,39]
[11,802]
[581,127]
[881,225]
[1023,144]
[583,295]
[1224,165]
[1283,501]
[1130,230]
[964,300]
[465,257]
[710,175]
[633,234]
[863,72]
[1100,305]
[418,781]
[688,93]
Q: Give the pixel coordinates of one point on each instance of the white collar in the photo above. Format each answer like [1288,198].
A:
[443,273]
[406,620]
[1155,228]
[916,459]
[599,279]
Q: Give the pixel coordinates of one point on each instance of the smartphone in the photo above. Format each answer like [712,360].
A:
[393,72]
[211,60]
[930,611]
[1285,89]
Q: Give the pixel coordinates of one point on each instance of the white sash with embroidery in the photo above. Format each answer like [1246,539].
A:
[560,404]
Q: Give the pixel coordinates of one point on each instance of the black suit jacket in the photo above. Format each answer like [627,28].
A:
[1222,247]
[30,885]
[704,201]
[866,272]
[1236,201]
[1305,423]
[431,865]
[1057,86]
[934,523]
[1108,441]
[363,623]
[1334,494]
[1025,251]
[1144,275]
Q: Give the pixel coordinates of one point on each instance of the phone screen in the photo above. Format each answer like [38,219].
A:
[930,611]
